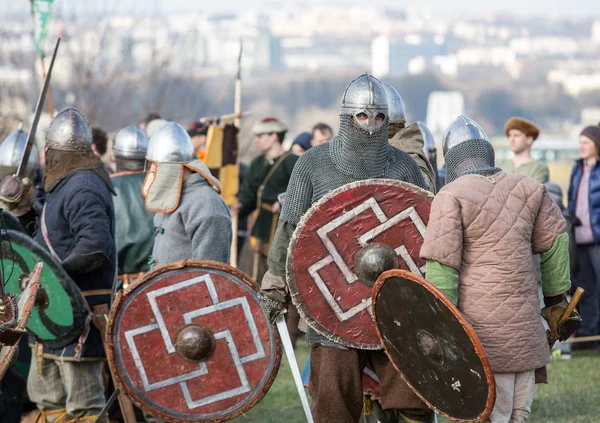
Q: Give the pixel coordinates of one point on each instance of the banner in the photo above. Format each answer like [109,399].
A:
[41,11]
[221,159]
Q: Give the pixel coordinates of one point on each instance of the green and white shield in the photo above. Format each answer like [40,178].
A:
[59,314]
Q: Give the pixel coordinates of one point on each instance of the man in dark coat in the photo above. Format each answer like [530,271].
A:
[77,226]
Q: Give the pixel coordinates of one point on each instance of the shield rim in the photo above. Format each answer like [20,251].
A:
[34,285]
[110,335]
[291,281]
[71,288]
[489,375]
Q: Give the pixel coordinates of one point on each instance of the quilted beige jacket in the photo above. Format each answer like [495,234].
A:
[489,231]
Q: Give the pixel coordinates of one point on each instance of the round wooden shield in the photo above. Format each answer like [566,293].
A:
[433,347]
[231,372]
[8,354]
[320,263]
[59,318]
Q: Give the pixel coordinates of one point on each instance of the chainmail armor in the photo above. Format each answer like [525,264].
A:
[326,167]
[472,157]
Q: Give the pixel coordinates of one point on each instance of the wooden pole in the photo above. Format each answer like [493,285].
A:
[48,93]
[237,110]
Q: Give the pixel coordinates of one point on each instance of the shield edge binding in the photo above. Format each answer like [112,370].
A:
[34,285]
[291,282]
[489,375]
[110,334]
[55,267]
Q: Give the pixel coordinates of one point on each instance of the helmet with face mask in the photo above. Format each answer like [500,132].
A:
[467,150]
[366,96]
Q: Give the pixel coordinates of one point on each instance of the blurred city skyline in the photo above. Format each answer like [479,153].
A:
[550,8]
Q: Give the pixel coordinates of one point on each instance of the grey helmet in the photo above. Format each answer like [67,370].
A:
[397,112]
[429,144]
[170,144]
[462,129]
[467,150]
[131,142]
[69,131]
[11,151]
[365,95]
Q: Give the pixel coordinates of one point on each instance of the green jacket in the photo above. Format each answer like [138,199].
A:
[262,184]
[134,223]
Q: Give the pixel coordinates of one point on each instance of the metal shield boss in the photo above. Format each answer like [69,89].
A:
[320,265]
[59,314]
[10,337]
[188,342]
[433,347]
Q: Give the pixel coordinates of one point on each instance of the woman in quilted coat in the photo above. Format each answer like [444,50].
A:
[584,203]
[484,228]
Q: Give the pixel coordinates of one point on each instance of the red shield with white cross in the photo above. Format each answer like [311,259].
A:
[188,342]
[320,264]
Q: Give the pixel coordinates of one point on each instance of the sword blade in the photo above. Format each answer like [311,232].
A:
[110,402]
[22,170]
[291,356]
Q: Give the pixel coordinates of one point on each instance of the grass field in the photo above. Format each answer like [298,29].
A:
[572,396]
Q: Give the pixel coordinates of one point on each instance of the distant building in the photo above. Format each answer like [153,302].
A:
[394,56]
[442,108]
[596,32]
[267,52]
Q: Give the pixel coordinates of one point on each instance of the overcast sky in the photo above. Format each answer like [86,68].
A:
[554,8]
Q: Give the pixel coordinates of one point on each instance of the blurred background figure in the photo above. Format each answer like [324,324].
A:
[100,147]
[584,204]
[155,125]
[151,116]
[321,133]
[198,132]
[521,134]
[301,143]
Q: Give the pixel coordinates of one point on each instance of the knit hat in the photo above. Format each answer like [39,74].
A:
[303,140]
[268,126]
[523,125]
[593,133]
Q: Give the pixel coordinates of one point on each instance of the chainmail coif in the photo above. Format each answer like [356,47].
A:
[473,157]
[357,153]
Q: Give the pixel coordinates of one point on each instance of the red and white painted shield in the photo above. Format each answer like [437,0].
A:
[320,264]
[217,305]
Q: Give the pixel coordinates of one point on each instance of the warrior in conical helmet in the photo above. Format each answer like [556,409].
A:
[484,228]
[77,227]
[360,151]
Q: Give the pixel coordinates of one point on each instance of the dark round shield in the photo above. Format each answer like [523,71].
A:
[188,342]
[433,347]
[8,354]
[320,264]
[59,315]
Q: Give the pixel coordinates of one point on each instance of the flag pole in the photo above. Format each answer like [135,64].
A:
[237,109]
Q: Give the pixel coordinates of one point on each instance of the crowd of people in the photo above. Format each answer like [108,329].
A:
[156,202]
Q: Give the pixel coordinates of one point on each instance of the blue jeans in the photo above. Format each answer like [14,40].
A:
[589,279]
